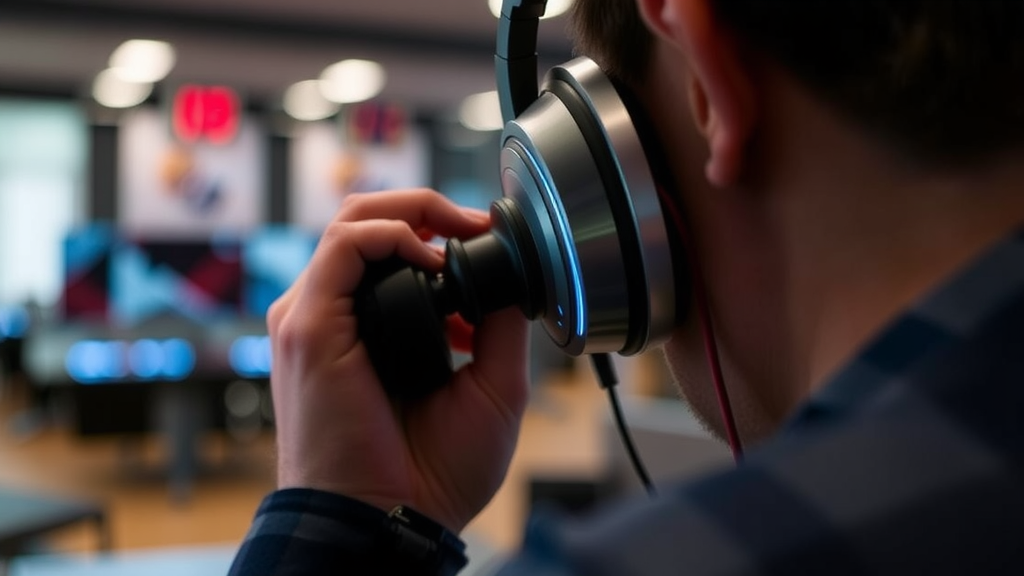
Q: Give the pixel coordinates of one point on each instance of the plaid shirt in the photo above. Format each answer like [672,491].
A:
[911,461]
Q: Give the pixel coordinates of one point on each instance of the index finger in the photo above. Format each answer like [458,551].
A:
[422,209]
[340,259]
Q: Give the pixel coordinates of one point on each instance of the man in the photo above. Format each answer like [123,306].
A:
[852,172]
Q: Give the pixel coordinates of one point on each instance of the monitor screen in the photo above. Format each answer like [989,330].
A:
[273,258]
[14,322]
[196,280]
[87,256]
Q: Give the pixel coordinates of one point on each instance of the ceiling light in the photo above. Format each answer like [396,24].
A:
[304,101]
[143,60]
[481,112]
[554,8]
[351,81]
[112,91]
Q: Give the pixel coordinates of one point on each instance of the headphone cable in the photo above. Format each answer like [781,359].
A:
[608,380]
[703,306]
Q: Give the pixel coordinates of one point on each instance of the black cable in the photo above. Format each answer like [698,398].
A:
[608,379]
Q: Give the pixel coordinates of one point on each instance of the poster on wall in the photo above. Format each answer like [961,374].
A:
[329,163]
[170,186]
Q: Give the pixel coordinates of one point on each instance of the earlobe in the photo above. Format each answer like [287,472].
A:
[722,97]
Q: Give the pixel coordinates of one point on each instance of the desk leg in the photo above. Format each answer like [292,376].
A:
[103,533]
[183,416]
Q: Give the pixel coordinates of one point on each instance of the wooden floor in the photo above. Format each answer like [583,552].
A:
[560,438]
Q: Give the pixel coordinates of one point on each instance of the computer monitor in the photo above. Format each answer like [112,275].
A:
[87,256]
[197,280]
[272,259]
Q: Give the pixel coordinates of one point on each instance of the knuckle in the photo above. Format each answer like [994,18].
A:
[353,207]
[291,336]
[287,338]
[397,228]
[275,315]
[335,232]
[435,200]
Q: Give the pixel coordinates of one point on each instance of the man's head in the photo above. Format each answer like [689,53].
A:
[892,66]
[802,136]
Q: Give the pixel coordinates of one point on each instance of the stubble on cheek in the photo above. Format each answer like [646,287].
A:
[692,380]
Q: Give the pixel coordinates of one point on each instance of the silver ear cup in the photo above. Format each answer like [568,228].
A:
[574,166]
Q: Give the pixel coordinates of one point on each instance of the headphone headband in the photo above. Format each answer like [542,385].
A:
[516,56]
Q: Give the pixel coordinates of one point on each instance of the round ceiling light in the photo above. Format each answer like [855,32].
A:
[305,101]
[481,112]
[113,91]
[143,60]
[351,81]
[554,8]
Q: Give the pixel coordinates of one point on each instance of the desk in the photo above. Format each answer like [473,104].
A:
[187,560]
[24,517]
[194,561]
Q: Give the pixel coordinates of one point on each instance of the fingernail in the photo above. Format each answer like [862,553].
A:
[478,215]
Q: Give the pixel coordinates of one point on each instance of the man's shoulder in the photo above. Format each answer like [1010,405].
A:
[898,491]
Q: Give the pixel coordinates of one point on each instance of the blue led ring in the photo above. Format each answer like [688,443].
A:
[567,242]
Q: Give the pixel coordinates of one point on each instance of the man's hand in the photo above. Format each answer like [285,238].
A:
[336,429]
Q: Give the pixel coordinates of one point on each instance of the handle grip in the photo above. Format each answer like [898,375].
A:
[401,321]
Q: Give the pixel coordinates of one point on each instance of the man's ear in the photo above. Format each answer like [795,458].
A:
[722,94]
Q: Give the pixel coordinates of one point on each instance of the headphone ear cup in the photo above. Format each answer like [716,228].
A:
[578,170]
[617,195]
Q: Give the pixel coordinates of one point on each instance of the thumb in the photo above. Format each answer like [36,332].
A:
[500,359]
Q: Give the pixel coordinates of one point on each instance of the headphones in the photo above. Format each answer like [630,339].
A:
[578,241]
[572,160]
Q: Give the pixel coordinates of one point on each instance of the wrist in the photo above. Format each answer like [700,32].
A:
[385,502]
[290,478]
[399,541]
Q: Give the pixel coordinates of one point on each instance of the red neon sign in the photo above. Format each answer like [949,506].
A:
[212,113]
[375,123]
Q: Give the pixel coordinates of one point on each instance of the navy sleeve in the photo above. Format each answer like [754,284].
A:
[300,532]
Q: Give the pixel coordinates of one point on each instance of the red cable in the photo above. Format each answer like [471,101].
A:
[706,325]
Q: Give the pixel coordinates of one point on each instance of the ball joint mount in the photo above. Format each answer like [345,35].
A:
[401,310]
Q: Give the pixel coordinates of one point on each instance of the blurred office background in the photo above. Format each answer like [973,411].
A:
[166,168]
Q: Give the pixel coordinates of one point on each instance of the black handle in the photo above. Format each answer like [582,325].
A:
[401,321]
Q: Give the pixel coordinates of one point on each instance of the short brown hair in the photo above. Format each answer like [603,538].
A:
[942,80]
[612,33]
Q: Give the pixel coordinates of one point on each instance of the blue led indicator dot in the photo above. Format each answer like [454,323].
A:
[83,362]
[146,359]
[179,359]
[266,359]
[93,361]
[250,356]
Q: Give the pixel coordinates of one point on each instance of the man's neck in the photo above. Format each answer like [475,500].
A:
[864,235]
[878,240]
